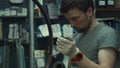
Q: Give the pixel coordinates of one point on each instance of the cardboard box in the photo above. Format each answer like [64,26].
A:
[117,3]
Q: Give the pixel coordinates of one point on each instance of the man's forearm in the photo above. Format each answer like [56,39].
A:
[86,63]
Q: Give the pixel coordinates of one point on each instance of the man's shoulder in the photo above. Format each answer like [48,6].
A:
[105,28]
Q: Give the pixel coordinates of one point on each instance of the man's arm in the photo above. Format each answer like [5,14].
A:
[106,56]
[106,59]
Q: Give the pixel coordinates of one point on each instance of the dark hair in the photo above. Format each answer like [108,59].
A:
[83,5]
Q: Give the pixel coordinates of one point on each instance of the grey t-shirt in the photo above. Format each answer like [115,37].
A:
[101,36]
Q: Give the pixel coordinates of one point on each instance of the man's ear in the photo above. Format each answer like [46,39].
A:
[90,11]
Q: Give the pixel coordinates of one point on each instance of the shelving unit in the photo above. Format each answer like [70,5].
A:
[101,14]
[111,17]
[33,22]
[108,9]
[103,10]
[15,14]
[107,12]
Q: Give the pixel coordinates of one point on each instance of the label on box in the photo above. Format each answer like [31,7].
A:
[24,11]
[101,3]
[110,2]
[7,12]
[40,62]
[67,30]
[39,53]
[56,30]
[44,30]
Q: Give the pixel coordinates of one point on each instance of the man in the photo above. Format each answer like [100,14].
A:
[95,44]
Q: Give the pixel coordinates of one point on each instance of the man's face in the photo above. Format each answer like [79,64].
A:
[78,20]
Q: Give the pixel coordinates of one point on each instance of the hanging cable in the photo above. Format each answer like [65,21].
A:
[50,39]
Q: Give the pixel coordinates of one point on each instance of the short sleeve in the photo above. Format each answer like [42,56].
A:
[108,38]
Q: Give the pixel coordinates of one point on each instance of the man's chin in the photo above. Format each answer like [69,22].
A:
[81,31]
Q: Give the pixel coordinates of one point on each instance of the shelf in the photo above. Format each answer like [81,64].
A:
[103,19]
[108,9]
[13,16]
[108,12]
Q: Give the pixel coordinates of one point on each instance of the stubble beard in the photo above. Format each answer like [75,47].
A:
[85,30]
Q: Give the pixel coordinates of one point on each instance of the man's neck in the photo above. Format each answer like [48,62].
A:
[93,24]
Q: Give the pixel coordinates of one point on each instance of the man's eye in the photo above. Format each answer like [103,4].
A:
[74,19]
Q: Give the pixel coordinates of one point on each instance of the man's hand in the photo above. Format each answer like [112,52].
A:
[67,46]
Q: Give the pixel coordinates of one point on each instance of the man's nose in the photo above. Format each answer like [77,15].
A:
[72,23]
